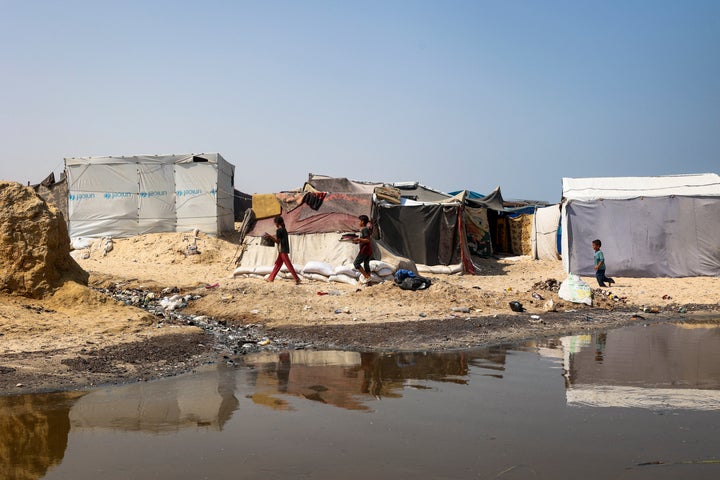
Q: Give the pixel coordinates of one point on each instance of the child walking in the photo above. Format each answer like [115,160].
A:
[600,265]
[283,243]
[362,261]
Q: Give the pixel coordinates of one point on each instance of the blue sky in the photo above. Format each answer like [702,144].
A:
[453,94]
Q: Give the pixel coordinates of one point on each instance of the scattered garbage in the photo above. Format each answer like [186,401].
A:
[516,306]
[409,280]
[537,296]
[460,309]
[549,306]
[667,297]
[172,303]
[106,245]
[550,284]
[231,337]
[650,309]
[214,285]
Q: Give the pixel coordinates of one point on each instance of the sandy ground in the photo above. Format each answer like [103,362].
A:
[79,337]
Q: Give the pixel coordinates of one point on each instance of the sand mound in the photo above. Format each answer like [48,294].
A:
[34,244]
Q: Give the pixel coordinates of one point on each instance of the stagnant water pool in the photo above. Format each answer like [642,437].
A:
[641,402]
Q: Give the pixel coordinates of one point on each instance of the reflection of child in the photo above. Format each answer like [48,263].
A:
[600,265]
[362,261]
[283,243]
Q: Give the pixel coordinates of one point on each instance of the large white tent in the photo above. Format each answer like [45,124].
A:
[667,226]
[126,196]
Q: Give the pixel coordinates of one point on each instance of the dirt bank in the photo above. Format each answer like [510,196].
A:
[79,337]
[57,333]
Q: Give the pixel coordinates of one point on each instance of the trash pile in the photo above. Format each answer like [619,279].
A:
[167,308]
[550,284]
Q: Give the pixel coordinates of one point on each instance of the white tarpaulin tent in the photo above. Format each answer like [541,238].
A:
[544,234]
[665,226]
[126,196]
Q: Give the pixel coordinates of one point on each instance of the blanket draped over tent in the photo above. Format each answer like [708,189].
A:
[427,234]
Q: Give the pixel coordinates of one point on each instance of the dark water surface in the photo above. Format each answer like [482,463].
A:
[633,403]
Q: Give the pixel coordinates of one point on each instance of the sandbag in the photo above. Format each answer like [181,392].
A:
[346,270]
[321,268]
[316,276]
[343,279]
[378,265]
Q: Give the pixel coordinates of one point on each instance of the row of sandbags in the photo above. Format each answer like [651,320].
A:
[324,272]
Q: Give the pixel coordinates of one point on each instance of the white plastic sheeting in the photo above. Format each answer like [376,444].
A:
[544,233]
[126,196]
[649,226]
[617,188]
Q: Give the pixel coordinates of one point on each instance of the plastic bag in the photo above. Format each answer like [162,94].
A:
[574,289]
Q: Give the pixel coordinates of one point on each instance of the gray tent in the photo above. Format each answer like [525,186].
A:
[665,226]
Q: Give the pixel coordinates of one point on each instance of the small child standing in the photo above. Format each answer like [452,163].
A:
[600,265]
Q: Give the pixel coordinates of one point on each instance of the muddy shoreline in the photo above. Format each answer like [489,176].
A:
[228,340]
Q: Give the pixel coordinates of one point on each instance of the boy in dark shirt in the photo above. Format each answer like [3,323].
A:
[362,261]
[283,243]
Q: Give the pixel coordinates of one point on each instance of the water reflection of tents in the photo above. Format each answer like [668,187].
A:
[329,377]
[204,399]
[655,367]
[349,379]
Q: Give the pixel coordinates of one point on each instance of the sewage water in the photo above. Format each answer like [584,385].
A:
[633,403]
